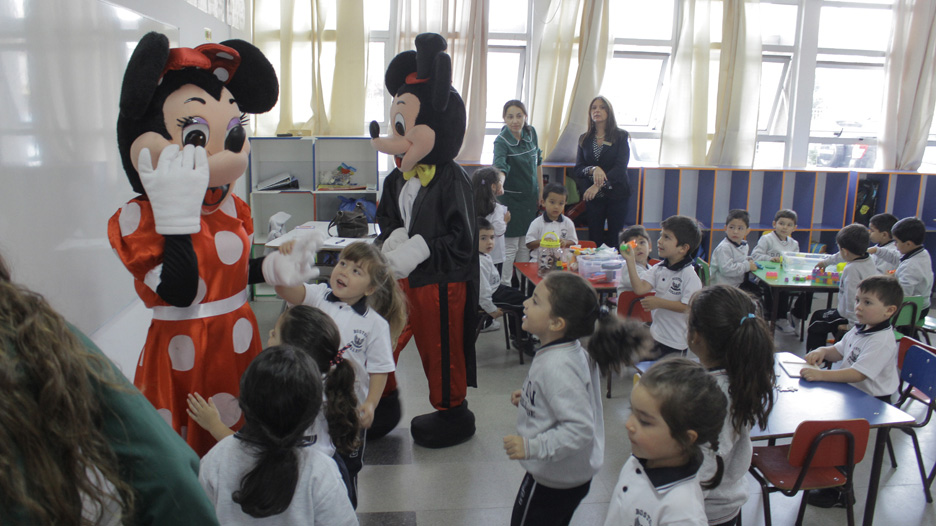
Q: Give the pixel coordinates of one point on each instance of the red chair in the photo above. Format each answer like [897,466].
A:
[822,454]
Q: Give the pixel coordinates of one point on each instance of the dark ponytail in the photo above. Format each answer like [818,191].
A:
[484,197]
[738,339]
[280,395]
[690,399]
[313,331]
[618,342]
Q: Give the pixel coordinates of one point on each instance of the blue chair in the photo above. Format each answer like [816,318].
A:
[918,380]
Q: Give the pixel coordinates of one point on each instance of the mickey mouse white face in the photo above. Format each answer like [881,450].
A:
[192,116]
[408,142]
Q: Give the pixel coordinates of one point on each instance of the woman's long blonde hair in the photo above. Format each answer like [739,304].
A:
[53,455]
[388,299]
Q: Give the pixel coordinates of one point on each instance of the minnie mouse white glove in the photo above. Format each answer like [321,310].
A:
[176,188]
[408,256]
[394,240]
[297,267]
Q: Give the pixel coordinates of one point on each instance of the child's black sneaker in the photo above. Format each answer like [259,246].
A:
[829,498]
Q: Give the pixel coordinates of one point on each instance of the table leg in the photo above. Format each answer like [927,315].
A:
[774,308]
[876,461]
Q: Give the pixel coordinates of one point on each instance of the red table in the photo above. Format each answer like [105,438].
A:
[529,278]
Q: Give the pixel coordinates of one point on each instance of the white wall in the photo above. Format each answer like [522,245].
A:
[61,67]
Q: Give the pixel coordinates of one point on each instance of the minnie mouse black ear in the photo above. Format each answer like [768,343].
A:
[143,73]
[256,87]
[398,69]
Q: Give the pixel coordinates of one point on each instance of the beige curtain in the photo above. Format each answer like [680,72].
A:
[464,26]
[739,75]
[571,48]
[684,129]
[321,72]
[910,92]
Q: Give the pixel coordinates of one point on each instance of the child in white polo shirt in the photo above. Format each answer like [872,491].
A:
[674,280]
[915,271]
[884,253]
[552,220]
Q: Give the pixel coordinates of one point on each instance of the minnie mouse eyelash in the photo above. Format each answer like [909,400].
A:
[185,121]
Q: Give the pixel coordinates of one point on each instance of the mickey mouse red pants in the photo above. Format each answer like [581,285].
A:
[436,320]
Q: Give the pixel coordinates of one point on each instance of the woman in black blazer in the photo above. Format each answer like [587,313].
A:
[601,173]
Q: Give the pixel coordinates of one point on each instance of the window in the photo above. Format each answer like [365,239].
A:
[644,37]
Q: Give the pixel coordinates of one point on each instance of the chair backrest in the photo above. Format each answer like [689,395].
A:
[904,344]
[909,312]
[833,450]
[919,370]
[584,243]
[702,268]
[629,306]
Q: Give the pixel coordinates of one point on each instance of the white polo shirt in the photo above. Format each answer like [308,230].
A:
[676,283]
[363,331]
[656,496]
[872,351]
[563,227]
[915,274]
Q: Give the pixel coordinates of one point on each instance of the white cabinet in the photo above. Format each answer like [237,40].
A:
[311,161]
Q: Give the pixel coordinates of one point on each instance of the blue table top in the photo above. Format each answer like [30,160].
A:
[797,400]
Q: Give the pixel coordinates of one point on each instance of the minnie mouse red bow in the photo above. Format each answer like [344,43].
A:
[220,60]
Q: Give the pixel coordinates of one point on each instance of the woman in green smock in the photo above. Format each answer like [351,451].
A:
[517,155]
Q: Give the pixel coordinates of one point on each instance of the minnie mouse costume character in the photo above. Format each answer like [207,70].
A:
[426,217]
[186,238]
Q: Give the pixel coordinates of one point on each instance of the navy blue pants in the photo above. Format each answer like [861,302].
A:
[603,209]
[539,505]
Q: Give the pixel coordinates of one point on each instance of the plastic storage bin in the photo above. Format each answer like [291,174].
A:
[590,266]
[801,263]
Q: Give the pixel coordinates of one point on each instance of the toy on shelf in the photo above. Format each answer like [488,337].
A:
[821,277]
[340,179]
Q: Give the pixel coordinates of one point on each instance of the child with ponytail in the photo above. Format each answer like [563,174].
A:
[560,427]
[268,470]
[488,184]
[676,408]
[734,343]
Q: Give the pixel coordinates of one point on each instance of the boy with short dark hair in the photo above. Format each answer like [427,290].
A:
[674,280]
[866,357]
[770,247]
[638,234]
[867,354]
[494,297]
[915,271]
[552,220]
[884,252]
[730,260]
[853,243]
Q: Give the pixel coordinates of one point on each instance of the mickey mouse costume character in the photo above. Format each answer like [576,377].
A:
[186,238]
[426,218]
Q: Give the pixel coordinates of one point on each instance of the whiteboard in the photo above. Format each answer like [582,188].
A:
[61,67]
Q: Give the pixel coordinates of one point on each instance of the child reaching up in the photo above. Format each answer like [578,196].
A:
[336,429]
[676,408]
[736,347]
[560,427]
[367,305]
[268,470]
[638,234]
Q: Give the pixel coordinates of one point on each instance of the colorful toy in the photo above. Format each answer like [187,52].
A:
[772,275]
[630,245]
[821,277]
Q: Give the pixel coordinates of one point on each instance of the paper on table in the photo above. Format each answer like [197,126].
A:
[793,367]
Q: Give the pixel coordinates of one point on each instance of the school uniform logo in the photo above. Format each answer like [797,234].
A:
[358,341]
[676,286]
[853,356]
[642,518]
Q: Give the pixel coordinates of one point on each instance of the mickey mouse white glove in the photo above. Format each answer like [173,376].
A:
[298,266]
[394,240]
[176,188]
[405,258]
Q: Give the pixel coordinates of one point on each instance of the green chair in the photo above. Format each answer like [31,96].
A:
[907,318]
[702,269]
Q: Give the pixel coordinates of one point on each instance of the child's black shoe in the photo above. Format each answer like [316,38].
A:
[829,498]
